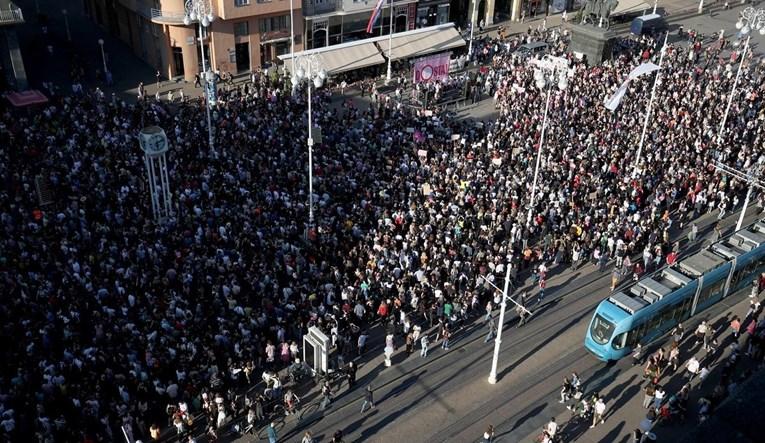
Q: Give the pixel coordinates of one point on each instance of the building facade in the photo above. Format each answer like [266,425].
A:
[331,22]
[245,35]
[12,72]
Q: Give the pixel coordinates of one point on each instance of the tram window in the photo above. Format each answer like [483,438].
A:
[683,309]
[601,330]
[619,341]
[711,291]
[746,271]
[635,335]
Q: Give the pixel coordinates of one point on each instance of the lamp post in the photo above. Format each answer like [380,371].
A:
[390,44]
[310,70]
[292,38]
[200,11]
[751,19]
[103,55]
[547,71]
[751,178]
[472,27]
[66,24]
[649,109]
[503,308]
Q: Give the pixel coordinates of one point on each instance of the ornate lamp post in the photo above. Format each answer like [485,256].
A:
[309,69]
[751,19]
[201,11]
[547,71]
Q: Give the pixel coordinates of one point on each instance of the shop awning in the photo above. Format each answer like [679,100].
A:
[422,41]
[343,57]
[26,98]
[629,6]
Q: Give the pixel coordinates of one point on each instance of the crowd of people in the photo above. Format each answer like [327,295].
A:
[122,324]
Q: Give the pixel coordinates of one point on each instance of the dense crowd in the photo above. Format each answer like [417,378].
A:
[117,320]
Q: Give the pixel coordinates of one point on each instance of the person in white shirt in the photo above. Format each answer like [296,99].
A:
[598,411]
[551,427]
[693,367]
[658,397]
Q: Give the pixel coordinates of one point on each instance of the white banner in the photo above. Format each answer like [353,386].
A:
[612,102]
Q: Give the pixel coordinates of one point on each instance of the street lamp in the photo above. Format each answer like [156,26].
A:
[103,55]
[200,11]
[309,69]
[547,71]
[66,24]
[503,308]
[472,27]
[390,44]
[750,20]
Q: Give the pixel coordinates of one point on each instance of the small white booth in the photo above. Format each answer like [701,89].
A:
[316,350]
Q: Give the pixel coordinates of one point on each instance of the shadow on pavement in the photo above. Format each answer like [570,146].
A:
[614,434]
[541,345]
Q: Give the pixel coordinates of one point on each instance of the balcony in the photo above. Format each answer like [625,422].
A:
[173,18]
[318,7]
[11,16]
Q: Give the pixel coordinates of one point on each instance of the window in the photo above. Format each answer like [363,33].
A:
[636,334]
[277,23]
[619,341]
[241,2]
[713,290]
[241,29]
[601,329]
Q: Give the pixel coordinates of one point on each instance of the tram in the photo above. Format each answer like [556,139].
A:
[645,310]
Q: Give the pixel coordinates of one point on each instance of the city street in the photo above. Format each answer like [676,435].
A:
[148,289]
[446,397]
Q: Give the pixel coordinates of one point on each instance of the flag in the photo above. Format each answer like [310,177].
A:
[375,15]
[612,102]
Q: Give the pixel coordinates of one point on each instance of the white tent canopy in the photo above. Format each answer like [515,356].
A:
[341,58]
[369,52]
[628,6]
[422,41]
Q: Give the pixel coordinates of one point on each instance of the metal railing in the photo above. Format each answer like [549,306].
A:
[13,15]
[316,7]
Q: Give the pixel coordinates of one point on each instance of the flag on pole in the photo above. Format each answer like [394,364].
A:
[375,15]
[612,102]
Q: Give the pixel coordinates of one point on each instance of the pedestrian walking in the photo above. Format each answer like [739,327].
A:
[492,330]
[597,412]
[692,233]
[445,344]
[307,438]
[542,286]
[648,395]
[271,433]
[424,344]
[637,355]
[700,333]
[692,366]
[551,427]
[566,391]
[658,397]
[488,435]
[735,325]
[351,373]
[326,392]
[368,399]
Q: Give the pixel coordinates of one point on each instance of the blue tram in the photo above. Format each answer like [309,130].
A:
[645,310]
